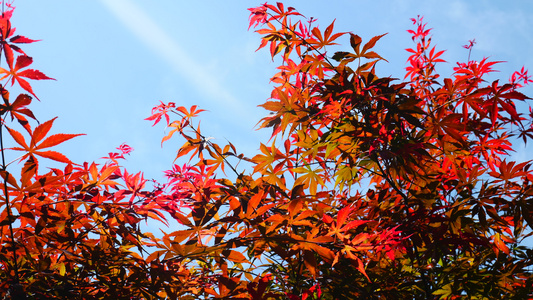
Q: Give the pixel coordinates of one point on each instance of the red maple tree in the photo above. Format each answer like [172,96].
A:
[443,216]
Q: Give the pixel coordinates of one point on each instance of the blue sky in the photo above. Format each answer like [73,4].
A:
[116,59]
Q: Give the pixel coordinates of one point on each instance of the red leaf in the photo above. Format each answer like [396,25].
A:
[56,139]
[38,134]
[53,155]
[361,268]
[34,74]
[41,131]
[258,15]
[26,86]
[9,54]
[17,109]
[22,100]
[19,39]
[22,62]
[371,43]
[18,137]
[343,214]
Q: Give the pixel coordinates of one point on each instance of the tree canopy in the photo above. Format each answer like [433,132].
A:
[369,188]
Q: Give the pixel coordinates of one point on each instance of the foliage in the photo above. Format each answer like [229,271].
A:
[369,187]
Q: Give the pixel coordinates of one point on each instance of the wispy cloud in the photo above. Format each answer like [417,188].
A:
[154,37]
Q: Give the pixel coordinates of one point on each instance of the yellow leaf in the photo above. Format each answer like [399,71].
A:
[62,269]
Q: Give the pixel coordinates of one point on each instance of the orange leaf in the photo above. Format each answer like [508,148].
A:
[234,256]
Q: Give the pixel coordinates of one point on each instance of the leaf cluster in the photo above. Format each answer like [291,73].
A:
[369,187]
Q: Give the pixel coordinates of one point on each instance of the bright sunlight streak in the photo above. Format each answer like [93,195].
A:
[154,37]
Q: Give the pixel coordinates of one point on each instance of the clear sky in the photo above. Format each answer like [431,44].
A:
[116,59]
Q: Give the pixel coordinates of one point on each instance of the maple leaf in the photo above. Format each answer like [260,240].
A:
[518,76]
[125,149]
[134,183]
[258,15]
[159,111]
[310,178]
[421,30]
[18,108]
[36,148]
[15,74]
[193,112]
[113,156]
[7,46]
[339,228]
[470,44]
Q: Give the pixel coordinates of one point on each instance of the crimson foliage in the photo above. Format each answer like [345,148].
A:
[443,216]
